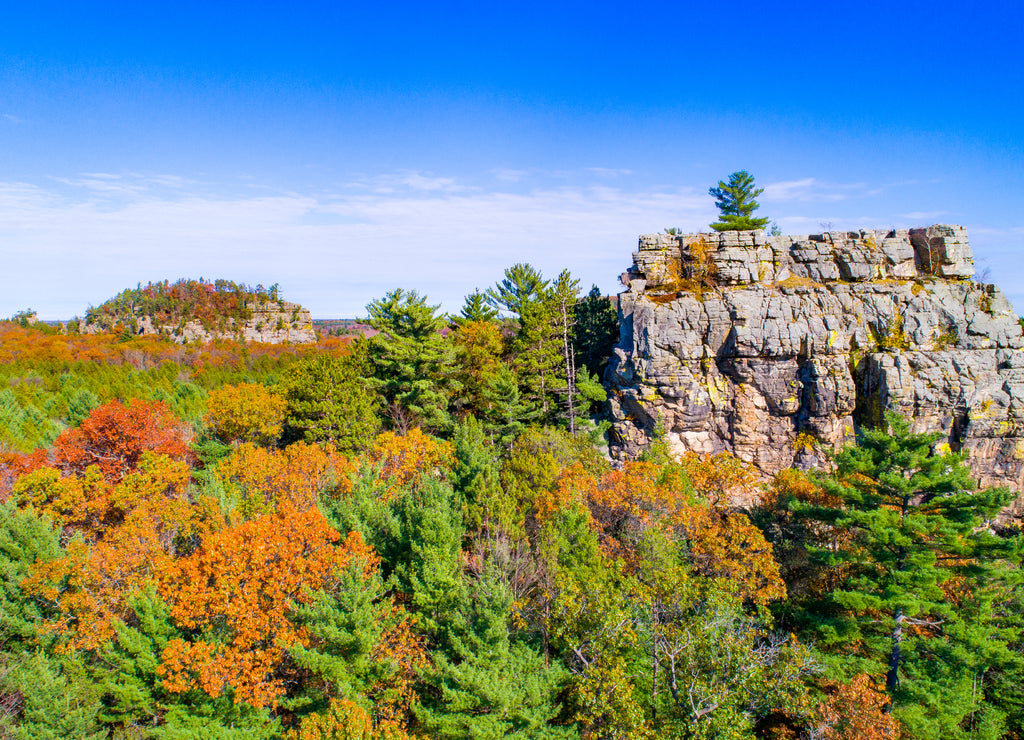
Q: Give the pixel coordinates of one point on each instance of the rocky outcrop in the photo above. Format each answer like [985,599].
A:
[774,348]
[270,322]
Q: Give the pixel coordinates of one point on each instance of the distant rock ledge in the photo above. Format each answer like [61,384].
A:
[774,348]
[270,322]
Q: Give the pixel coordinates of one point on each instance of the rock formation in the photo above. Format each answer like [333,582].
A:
[774,348]
[270,322]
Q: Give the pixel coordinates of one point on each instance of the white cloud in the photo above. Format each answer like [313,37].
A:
[811,189]
[609,172]
[93,235]
[922,216]
[77,240]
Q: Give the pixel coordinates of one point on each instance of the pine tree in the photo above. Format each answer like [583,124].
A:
[505,411]
[564,295]
[477,480]
[736,203]
[597,331]
[523,284]
[538,353]
[329,401]
[488,685]
[476,308]
[25,538]
[914,571]
[412,361]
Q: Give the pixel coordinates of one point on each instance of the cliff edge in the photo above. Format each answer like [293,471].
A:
[774,348]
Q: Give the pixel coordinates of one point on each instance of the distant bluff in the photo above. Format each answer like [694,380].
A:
[775,347]
[200,311]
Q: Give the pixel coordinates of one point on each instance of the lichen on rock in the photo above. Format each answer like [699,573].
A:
[785,344]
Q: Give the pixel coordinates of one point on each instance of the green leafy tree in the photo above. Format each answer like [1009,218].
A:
[412,361]
[735,201]
[920,578]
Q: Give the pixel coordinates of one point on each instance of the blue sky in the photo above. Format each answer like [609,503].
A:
[343,150]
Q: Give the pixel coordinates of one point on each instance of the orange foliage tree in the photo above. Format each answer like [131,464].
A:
[296,475]
[623,503]
[402,459]
[114,438]
[857,710]
[235,593]
[130,533]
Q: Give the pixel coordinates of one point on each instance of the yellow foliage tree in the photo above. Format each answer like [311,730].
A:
[246,413]
[402,459]
[297,475]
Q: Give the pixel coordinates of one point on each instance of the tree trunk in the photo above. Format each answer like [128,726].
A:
[570,375]
[892,679]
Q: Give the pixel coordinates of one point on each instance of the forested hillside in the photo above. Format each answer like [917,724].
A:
[200,310]
[419,534]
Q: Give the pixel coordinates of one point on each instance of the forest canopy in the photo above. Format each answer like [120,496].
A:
[419,534]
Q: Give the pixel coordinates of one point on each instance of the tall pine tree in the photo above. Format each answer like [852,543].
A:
[913,571]
[412,361]
[735,201]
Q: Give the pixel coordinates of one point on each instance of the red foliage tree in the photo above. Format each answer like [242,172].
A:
[115,436]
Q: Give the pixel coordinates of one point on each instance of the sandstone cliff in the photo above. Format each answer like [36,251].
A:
[270,322]
[774,348]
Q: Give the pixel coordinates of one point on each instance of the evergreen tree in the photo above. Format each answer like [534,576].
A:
[563,296]
[59,702]
[412,361]
[736,203]
[329,401]
[597,331]
[522,285]
[25,538]
[476,308]
[430,571]
[345,626]
[135,701]
[477,479]
[916,576]
[538,353]
[505,411]
[488,685]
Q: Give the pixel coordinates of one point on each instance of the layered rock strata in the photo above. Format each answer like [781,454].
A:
[774,348]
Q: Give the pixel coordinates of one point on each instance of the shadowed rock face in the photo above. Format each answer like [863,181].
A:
[774,348]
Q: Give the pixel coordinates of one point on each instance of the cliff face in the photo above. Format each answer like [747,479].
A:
[773,348]
[270,322]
